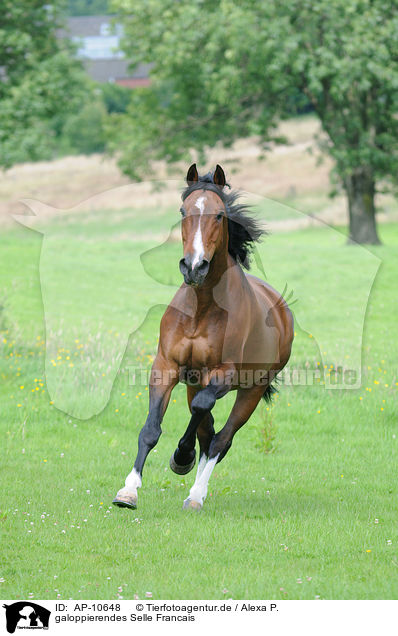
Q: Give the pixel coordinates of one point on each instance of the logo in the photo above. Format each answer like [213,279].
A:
[26,615]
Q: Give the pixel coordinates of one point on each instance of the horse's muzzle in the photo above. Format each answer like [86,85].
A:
[194,275]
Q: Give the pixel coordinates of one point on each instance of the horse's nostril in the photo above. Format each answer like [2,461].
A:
[183,266]
[193,274]
[203,267]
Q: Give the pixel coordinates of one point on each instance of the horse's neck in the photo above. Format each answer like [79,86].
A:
[221,288]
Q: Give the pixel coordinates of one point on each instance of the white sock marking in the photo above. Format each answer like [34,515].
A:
[201,465]
[198,491]
[133,481]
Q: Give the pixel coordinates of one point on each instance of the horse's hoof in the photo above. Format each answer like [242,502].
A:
[125,499]
[190,504]
[182,470]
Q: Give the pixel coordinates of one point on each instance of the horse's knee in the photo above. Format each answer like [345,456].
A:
[149,436]
[203,401]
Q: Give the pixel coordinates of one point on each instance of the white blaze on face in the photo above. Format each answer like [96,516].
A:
[198,241]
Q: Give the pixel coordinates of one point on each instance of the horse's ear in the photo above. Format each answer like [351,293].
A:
[192,174]
[219,176]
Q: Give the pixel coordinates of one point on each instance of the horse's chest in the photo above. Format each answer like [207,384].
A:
[198,351]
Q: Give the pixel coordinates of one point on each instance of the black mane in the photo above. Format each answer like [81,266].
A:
[243,230]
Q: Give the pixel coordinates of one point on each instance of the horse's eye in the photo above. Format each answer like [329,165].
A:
[219,216]
[182,212]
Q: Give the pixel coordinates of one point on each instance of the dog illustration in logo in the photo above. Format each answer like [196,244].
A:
[29,614]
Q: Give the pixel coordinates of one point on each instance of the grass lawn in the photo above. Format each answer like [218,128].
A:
[304,505]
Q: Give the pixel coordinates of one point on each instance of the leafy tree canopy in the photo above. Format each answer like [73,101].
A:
[224,70]
[40,81]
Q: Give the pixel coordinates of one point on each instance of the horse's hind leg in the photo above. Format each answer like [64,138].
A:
[245,403]
[159,395]
[205,434]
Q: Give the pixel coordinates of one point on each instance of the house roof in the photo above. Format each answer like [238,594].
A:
[91,25]
[97,39]
[108,70]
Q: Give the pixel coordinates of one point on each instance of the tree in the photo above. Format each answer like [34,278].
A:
[224,70]
[83,132]
[40,83]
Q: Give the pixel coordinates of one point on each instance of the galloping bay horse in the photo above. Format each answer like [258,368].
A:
[224,330]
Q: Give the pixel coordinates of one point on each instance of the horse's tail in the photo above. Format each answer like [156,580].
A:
[270,391]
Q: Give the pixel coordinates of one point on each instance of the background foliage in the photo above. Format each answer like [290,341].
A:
[221,71]
[225,70]
[314,518]
[48,104]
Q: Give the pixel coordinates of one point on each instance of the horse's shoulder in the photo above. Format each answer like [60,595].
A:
[179,307]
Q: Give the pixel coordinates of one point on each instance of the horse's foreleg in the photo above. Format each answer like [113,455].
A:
[201,423]
[200,403]
[163,380]
[245,403]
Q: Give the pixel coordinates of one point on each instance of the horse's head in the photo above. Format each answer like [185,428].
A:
[204,224]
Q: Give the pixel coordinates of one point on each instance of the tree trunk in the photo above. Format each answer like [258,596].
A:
[360,189]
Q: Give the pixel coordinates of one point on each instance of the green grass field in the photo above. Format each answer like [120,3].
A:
[304,505]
